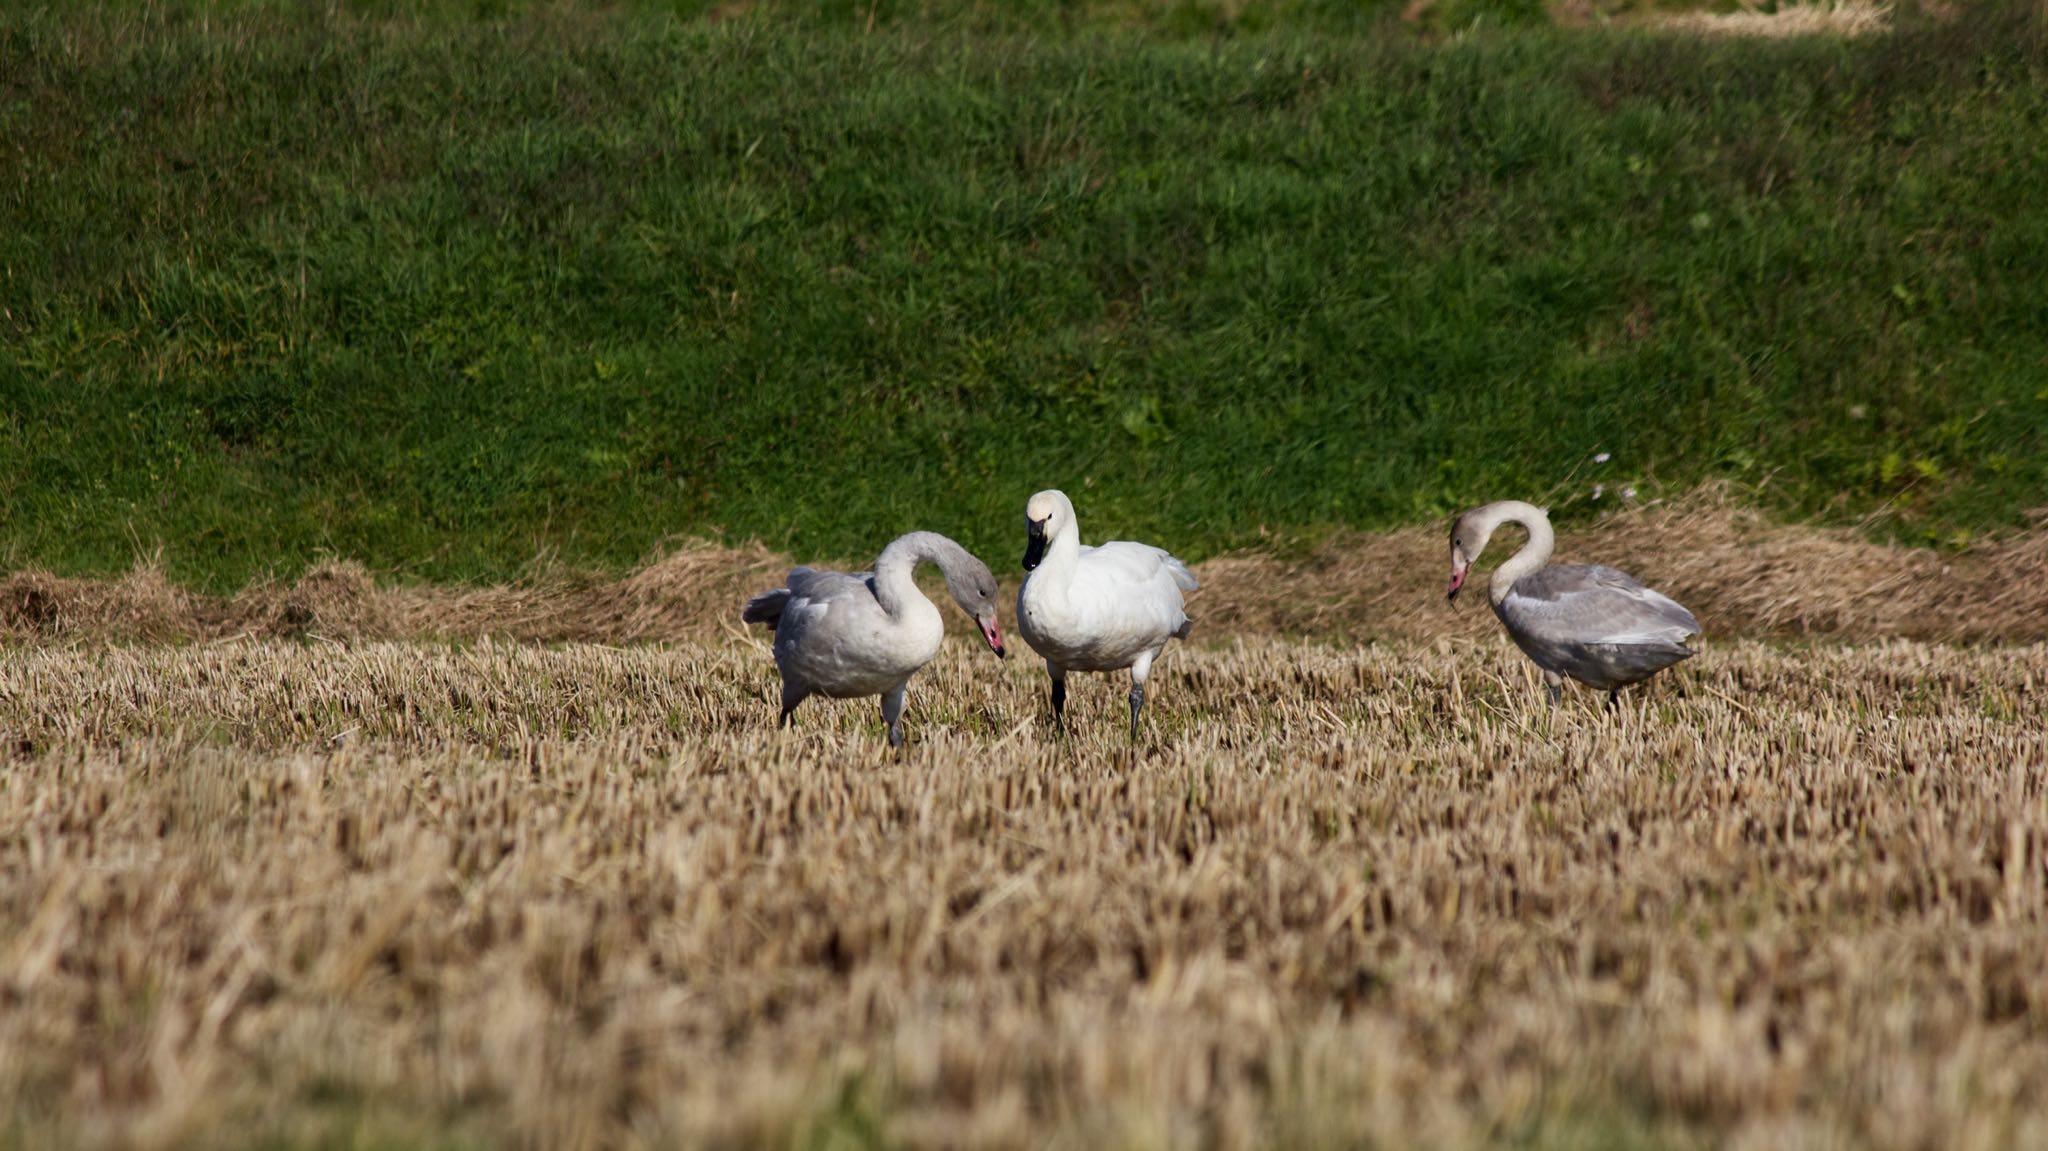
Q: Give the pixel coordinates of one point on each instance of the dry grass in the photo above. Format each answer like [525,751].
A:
[1846,18]
[694,591]
[378,894]
[1741,573]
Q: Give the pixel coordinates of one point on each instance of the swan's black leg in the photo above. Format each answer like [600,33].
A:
[1555,683]
[789,701]
[892,715]
[1140,668]
[1059,702]
[1613,699]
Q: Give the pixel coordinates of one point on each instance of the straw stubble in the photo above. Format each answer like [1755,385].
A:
[587,896]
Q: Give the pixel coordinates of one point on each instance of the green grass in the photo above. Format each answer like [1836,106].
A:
[446,293]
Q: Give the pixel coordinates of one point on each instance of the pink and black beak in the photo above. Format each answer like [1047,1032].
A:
[994,635]
[1457,581]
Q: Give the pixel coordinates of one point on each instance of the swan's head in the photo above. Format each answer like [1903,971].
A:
[974,589]
[1469,533]
[1044,515]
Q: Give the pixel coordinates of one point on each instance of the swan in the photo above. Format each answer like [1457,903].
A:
[1594,624]
[847,636]
[1096,609]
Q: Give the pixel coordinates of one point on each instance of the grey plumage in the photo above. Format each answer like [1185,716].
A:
[766,607]
[846,635]
[1596,625]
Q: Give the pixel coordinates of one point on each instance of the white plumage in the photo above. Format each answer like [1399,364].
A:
[1100,608]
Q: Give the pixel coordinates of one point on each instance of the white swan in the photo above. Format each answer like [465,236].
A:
[1096,609]
[852,635]
[1594,624]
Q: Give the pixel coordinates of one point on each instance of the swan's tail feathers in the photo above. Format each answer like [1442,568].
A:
[1186,627]
[1182,577]
[766,607]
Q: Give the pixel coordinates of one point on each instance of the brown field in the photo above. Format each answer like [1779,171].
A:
[262,892]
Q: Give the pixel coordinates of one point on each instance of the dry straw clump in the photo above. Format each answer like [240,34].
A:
[141,605]
[1742,574]
[694,590]
[292,892]
[1846,18]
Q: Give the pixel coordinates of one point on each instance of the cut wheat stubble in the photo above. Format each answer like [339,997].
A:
[582,896]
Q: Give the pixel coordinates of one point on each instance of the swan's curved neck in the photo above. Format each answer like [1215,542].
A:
[1533,555]
[895,587]
[1062,551]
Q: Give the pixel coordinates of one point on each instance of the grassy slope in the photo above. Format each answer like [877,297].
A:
[444,294]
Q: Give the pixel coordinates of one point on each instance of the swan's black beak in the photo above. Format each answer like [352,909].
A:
[1034,544]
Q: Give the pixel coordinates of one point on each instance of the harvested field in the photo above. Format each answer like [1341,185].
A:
[283,893]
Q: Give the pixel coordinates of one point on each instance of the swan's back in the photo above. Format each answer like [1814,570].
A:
[1133,587]
[1174,568]
[1596,624]
[1593,604]
[1139,564]
[826,607]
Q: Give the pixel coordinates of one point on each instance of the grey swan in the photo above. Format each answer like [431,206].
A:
[1591,623]
[851,635]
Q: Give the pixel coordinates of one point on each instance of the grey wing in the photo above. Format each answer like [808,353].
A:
[769,605]
[766,608]
[804,589]
[823,586]
[826,607]
[1600,605]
